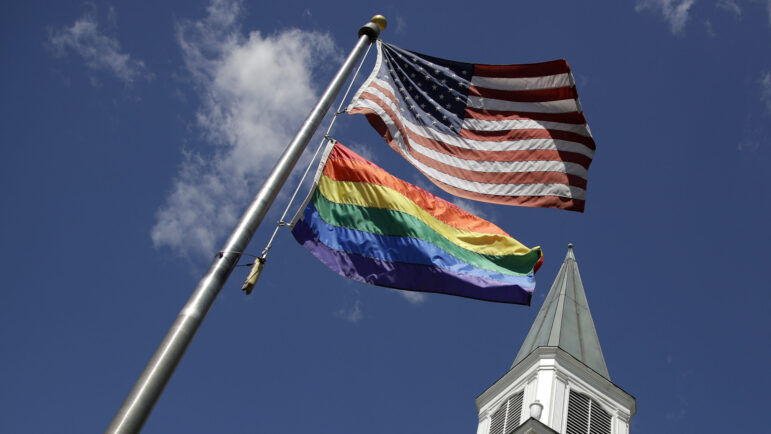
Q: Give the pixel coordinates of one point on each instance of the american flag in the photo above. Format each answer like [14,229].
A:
[509,134]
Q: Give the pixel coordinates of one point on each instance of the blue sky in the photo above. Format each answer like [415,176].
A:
[133,135]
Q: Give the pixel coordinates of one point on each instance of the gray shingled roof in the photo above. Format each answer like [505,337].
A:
[565,321]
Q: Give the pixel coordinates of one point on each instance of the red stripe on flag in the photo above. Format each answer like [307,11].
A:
[513,178]
[515,155]
[538,95]
[532,201]
[500,136]
[553,67]
[497,115]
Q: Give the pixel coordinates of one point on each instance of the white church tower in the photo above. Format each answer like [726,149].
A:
[558,382]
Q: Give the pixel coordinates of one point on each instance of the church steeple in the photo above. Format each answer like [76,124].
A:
[559,382]
[564,321]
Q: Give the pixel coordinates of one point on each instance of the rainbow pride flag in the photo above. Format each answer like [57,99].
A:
[370,226]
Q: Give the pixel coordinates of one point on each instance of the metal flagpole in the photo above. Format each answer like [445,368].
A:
[148,388]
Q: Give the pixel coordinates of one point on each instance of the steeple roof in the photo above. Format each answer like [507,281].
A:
[564,321]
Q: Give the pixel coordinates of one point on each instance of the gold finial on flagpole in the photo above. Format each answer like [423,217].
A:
[380,21]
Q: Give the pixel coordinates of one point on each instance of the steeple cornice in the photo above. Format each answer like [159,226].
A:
[522,372]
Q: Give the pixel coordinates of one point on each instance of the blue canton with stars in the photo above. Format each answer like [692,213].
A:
[431,91]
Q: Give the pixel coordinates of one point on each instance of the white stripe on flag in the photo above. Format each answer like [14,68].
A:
[525,83]
[522,124]
[559,106]
[560,190]
[502,166]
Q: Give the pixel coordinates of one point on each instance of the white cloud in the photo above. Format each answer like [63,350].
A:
[675,415]
[472,207]
[765,90]
[401,24]
[674,11]
[731,7]
[100,52]
[768,8]
[420,181]
[709,28]
[748,145]
[364,151]
[353,315]
[255,90]
[755,135]
[413,297]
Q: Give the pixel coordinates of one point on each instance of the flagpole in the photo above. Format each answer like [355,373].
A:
[135,410]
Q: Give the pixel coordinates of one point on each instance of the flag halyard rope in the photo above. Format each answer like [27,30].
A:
[259,261]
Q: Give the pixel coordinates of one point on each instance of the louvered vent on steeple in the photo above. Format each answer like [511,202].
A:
[515,412]
[498,421]
[585,416]
[506,418]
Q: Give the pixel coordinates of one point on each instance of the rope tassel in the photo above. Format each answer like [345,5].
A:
[254,274]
